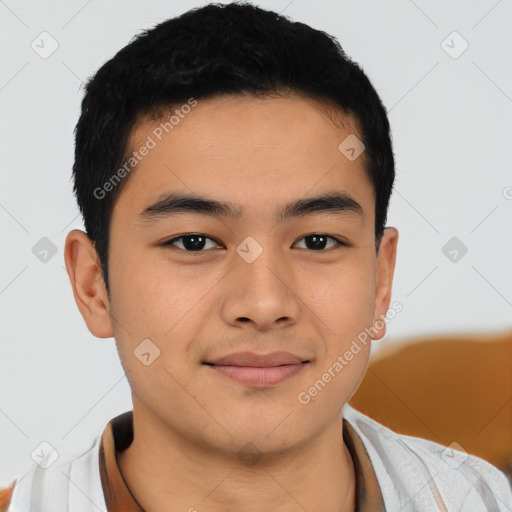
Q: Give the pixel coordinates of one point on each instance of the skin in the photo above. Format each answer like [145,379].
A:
[190,421]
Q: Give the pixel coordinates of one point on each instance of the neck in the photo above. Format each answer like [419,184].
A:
[166,473]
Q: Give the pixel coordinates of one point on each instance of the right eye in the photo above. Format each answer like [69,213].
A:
[194,242]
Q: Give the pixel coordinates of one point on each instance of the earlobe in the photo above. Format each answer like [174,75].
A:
[385,267]
[84,271]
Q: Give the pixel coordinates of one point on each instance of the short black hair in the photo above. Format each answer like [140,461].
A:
[217,49]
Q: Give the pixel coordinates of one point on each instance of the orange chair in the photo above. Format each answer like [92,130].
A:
[455,388]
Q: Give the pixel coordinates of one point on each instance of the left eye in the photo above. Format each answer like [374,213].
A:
[318,241]
[197,242]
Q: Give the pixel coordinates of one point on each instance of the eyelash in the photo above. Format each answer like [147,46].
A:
[169,243]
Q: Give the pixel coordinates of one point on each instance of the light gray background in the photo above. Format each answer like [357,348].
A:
[450,120]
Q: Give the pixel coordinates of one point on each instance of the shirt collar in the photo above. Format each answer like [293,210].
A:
[118,435]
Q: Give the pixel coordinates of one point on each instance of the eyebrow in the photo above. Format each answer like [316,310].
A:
[167,205]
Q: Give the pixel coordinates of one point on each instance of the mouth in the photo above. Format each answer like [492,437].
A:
[256,370]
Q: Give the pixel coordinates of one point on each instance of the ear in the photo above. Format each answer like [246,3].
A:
[84,270]
[385,268]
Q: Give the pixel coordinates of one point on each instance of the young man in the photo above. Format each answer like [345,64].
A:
[234,171]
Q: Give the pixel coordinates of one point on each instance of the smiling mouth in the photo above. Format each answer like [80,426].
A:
[255,366]
[258,376]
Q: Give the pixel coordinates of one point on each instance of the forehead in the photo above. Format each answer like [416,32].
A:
[237,114]
[251,148]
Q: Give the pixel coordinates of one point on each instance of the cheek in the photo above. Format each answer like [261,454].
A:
[153,301]
[344,300]
[345,305]
[156,319]
[151,296]
[342,297]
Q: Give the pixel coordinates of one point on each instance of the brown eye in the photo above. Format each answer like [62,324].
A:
[190,243]
[318,242]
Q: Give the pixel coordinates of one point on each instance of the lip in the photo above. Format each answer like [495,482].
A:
[258,360]
[258,377]
[258,370]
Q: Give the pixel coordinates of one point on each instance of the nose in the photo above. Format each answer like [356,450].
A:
[260,291]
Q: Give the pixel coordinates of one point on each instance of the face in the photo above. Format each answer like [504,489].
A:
[296,286]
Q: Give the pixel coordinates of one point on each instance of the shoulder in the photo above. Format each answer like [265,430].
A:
[418,474]
[62,475]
